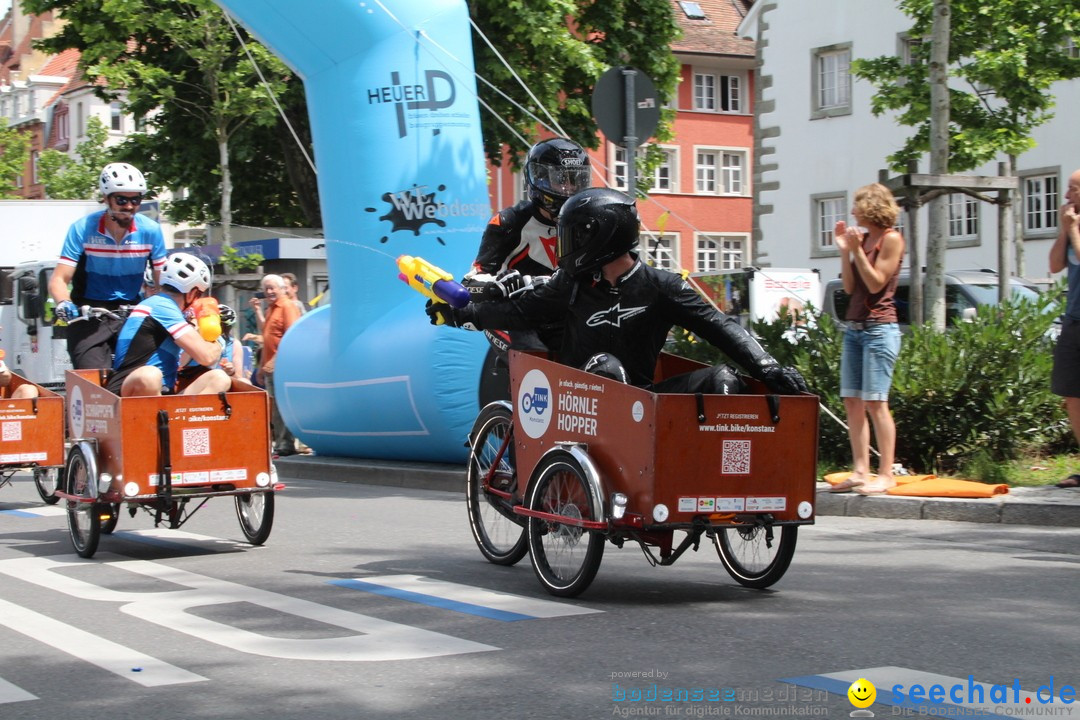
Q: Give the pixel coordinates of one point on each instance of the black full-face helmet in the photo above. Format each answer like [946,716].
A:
[554,170]
[595,227]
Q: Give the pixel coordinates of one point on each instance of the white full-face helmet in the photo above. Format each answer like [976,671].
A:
[185,273]
[121,177]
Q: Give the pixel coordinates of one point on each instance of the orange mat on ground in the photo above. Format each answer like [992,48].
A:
[839,477]
[947,487]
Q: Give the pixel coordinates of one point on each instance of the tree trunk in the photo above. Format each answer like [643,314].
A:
[1018,221]
[1005,231]
[226,189]
[937,238]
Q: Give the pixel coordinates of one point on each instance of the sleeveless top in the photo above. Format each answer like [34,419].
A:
[866,306]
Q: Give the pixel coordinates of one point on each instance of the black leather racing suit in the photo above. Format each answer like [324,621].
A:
[629,320]
[516,238]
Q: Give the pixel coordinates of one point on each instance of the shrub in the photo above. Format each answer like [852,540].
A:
[974,396]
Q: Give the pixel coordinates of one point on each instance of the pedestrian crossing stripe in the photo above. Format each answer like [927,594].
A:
[13,693]
[129,664]
[463,598]
[44,511]
[885,678]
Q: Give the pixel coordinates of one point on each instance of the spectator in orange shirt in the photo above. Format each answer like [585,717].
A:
[274,322]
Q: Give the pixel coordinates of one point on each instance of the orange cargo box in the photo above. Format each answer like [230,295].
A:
[31,431]
[703,455]
[213,442]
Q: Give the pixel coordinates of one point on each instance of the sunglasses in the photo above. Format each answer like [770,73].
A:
[124,201]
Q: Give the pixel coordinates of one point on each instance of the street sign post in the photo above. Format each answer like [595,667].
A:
[627,109]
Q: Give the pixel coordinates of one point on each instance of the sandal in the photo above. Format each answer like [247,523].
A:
[1073,481]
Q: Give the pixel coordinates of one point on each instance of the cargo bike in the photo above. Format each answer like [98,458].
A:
[166,455]
[32,437]
[577,460]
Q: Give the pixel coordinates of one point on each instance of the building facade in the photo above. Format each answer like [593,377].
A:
[817,141]
[697,216]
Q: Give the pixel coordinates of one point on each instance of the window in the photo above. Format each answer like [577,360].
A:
[1072,50]
[828,209]
[717,93]
[907,48]
[831,81]
[692,9]
[34,156]
[720,252]
[116,123]
[963,217]
[62,127]
[31,102]
[665,176]
[719,171]
[15,109]
[618,167]
[708,254]
[660,250]
[705,171]
[80,121]
[1040,203]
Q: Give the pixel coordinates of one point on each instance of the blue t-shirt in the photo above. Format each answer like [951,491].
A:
[108,271]
[148,337]
[226,343]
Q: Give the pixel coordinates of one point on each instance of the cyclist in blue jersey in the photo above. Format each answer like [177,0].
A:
[102,260]
[151,339]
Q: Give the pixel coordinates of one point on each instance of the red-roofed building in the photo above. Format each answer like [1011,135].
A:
[47,95]
[702,194]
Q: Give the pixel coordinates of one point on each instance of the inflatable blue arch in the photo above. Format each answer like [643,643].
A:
[392,97]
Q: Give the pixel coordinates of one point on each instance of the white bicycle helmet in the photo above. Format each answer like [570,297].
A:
[121,177]
[185,272]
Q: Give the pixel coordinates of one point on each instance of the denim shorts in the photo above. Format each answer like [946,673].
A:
[866,366]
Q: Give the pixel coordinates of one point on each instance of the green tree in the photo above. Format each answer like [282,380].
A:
[175,58]
[70,178]
[559,48]
[14,154]
[1003,58]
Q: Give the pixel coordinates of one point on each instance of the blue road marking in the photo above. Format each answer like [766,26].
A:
[433,601]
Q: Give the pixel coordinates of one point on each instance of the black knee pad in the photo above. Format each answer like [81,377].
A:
[725,381]
[607,365]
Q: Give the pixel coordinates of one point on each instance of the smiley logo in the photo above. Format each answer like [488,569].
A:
[862,693]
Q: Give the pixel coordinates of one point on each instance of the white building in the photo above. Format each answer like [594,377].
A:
[817,141]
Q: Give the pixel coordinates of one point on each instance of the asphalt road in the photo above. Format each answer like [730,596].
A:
[372,602]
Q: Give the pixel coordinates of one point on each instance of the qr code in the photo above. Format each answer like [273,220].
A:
[736,459]
[12,431]
[197,441]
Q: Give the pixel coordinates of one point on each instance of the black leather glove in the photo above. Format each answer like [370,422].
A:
[783,380]
[439,313]
[511,282]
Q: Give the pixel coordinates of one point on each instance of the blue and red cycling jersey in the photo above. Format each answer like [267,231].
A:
[148,337]
[108,272]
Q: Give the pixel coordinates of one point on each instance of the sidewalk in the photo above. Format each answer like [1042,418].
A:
[1021,506]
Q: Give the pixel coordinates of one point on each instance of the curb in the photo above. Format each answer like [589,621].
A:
[1047,506]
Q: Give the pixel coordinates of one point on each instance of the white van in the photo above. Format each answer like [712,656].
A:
[34,347]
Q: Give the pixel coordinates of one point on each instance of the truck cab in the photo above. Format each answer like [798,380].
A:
[35,347]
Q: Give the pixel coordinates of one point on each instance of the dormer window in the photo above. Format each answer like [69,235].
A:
[692,9]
